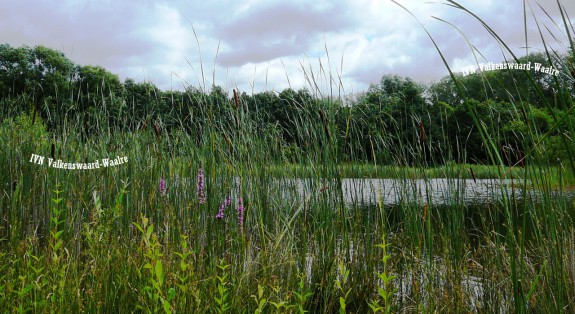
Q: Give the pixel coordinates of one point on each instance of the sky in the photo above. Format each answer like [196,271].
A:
[328,46]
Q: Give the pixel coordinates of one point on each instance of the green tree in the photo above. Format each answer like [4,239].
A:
[16,70]
[95,83]
[53,72]
[39,76]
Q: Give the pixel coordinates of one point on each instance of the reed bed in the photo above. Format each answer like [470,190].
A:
[209,222]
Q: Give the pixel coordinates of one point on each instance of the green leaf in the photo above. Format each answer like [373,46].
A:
[171,294]
[183,266]
[260,291]
[167,307]
[57,245]
[375,307]
[138,227]
[160,272]
[381,292]
[341,305]
[58,234]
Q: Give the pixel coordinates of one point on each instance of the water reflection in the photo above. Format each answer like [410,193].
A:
[439,191]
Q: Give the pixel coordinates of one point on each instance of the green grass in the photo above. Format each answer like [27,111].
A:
[110,240]
[368,170]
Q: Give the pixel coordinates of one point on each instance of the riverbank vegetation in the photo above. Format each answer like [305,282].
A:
[434,121]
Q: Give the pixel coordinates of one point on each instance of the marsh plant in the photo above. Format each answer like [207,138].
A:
[222,209]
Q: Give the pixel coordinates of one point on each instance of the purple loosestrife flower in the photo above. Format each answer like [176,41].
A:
[228,201]
[240,213]
[163,187]
[200,191]
[220,214]
[223,206]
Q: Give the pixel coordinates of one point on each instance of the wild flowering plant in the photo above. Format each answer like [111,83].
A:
[220,214]
[200,187]
[163,188]
[223,206]
[228,201]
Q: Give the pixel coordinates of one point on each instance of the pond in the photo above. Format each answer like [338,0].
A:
[438,191]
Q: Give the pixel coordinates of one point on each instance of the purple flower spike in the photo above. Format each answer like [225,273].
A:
[228,201]
[163,187]
[220,214]
[200,191]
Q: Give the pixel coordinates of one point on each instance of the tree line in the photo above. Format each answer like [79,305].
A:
[396,120]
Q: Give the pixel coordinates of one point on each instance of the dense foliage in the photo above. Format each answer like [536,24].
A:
[434,119]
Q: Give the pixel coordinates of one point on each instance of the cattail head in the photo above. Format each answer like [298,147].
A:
[422,132]
[473,175]
[156,130]
[236,98]
[326,130]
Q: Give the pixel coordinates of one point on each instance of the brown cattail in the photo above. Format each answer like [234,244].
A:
[236,98]
[472,175]
[237,102]
[144,125]
[521,158]
[326,130]
[322,116]
[422,132]
[156,130]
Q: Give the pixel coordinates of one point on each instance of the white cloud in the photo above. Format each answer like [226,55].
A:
[268,39]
